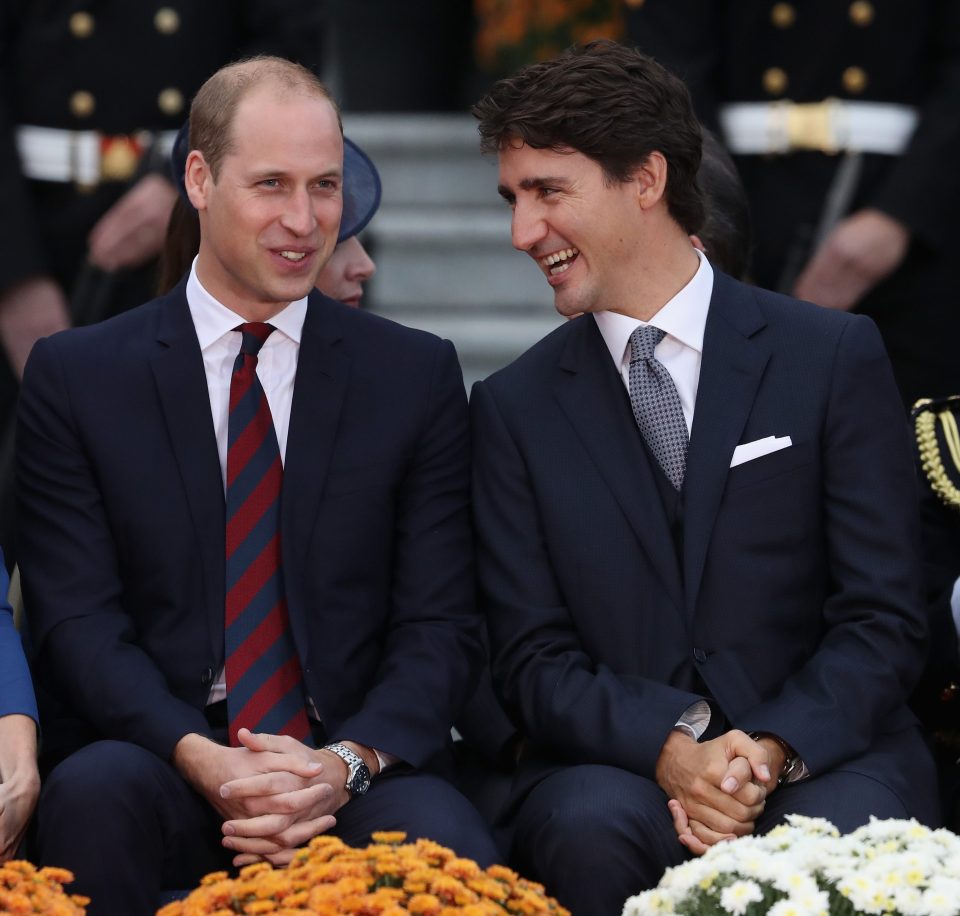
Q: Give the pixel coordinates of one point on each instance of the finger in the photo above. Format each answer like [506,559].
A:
[303,831]
[263,741]
[299,805]
[280,859]
[739,774]
[273,783]
[680,822]
[709,837]
[693,843]
[740,744]
[753,795]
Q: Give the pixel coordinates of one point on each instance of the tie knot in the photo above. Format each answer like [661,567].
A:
[255,334]
[643,342]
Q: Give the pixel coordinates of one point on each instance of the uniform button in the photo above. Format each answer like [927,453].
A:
[170,101]
[783,15]
[861,13]
[854,80]
[81,25]
[774,81]
[635,3]
[699,656]
[206,679]
[82,104]
[166,21]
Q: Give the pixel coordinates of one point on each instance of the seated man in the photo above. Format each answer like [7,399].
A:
[245,536]
[19,780]
[696,512]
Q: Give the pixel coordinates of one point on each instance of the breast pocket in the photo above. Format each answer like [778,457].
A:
[769,466]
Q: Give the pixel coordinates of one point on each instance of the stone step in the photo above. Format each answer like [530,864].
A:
[426,160]
[450,259]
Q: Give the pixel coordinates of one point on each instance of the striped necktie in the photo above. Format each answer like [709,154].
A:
[264,681]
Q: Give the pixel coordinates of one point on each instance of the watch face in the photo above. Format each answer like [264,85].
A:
[359,780]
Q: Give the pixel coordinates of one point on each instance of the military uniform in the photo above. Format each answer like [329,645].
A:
[904,58]
[937,697]
[120,68]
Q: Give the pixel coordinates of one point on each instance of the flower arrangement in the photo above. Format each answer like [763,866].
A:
[806,868]
[387,878]
[25,889]
[511,33]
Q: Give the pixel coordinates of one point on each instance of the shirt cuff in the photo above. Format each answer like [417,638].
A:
[384,759]
[695,720]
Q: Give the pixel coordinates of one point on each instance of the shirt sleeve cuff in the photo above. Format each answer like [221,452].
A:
[695,720]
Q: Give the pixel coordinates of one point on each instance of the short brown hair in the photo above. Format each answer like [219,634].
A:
[609,102]
[215,104]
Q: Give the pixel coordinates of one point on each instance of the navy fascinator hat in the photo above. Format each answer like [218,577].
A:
[361,182]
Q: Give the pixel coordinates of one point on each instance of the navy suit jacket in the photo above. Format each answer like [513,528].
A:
[16,687]
[797,597]
[122,527]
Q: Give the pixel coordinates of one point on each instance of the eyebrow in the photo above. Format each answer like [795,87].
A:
[531,184]
[261,174]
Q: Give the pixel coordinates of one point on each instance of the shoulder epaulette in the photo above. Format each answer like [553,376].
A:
[938,444]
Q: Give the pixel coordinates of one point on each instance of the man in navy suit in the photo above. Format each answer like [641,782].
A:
[123,461]
[695,506]
[19,780]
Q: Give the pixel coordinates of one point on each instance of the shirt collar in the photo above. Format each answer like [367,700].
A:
[684,317]
[213,320]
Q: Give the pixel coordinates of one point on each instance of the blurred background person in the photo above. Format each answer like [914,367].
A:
[842,118]
[19,780]
[91,95]
[936,699]
[349,266]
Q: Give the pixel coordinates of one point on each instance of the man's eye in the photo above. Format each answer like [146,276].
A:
[546,192]
[270,183]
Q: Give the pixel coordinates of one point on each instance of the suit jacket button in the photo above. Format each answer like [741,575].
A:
[699,656]
[207,677]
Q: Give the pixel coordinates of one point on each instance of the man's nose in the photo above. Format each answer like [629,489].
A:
[527,227]
[298,214]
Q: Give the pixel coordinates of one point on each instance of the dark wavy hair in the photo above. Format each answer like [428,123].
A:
[609,102]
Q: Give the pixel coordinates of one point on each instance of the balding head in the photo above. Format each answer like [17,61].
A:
[215,104]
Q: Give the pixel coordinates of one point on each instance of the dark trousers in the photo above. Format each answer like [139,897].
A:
[596,835]
[128,826]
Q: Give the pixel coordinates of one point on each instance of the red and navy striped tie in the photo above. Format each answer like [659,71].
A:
[264,681]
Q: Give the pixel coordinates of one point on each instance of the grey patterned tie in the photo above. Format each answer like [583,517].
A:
[656,405]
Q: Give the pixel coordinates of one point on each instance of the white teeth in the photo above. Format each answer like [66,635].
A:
[559,269]
[559,256]
[293,255]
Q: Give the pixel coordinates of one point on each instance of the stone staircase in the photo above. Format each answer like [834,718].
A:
[441,241]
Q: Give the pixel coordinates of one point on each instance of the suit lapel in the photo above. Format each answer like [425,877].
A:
[730,374]
[595,401]
[323,371]
[182,387]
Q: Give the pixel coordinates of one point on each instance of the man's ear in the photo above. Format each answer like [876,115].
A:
[698,242]
[651,180]
[197,179]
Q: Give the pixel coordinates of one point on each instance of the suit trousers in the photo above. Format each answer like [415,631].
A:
[596,835]
[129,827]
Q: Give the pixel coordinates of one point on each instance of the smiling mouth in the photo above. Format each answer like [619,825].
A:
[559,261]
[293,255]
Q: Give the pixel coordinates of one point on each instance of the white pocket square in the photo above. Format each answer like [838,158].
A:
[750,450]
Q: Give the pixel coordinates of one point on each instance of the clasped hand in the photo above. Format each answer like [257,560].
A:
[717,789]
[273,792]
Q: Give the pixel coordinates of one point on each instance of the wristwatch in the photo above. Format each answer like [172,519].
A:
[792,764]
[358,774]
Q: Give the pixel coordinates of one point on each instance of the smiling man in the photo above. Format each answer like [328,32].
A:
[695,509]
[246,542]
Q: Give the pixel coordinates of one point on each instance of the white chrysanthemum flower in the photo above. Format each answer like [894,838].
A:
[739,895]
[655,901]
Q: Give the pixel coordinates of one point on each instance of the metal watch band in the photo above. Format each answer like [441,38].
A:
[358,774]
